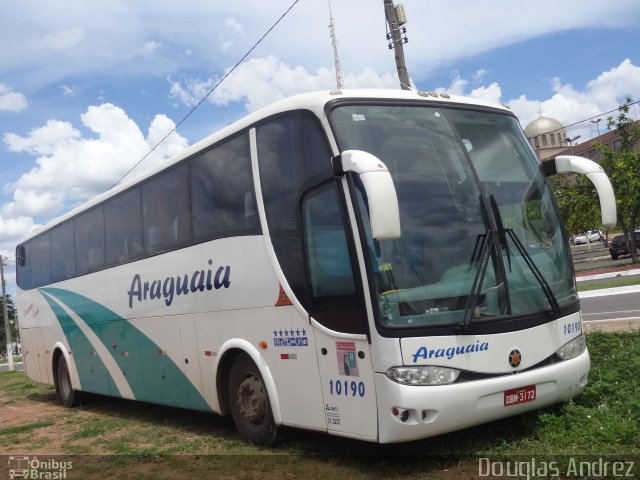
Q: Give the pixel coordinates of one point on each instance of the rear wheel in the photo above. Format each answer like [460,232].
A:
[614,256]
[64,390]
[249,402]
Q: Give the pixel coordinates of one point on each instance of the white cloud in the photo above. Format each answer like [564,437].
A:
[150,47]
[13,229]
[261,81]
[11,232]
[68,91]
[492,93]
[109,29]
[479,75]
[233,24]
[71,168]
[62,39]
[567,103]
[11,101]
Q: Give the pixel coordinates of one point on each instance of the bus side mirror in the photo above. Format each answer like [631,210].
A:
[384,213]
[595,173]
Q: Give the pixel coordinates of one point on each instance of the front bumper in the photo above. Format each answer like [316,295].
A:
[433,410]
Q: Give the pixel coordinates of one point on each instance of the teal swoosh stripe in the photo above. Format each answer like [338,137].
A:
[94,376]
[151,377]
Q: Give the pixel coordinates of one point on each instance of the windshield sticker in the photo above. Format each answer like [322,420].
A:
[333,414]
[357,117]
[467,144]
[290,338]
[450,352]
[347,360]
[283,299]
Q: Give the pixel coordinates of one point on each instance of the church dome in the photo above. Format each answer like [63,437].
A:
[541,126]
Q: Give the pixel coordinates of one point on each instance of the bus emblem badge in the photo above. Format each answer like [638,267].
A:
[515,358]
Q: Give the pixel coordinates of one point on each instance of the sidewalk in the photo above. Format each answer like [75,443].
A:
[609,273]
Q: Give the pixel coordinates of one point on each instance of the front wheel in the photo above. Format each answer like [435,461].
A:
[64,390]
[249,402]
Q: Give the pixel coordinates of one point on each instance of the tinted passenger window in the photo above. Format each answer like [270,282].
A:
[90,241]
[41,260]
[292,152]
[123,227]
[223,201]
[166,215]
[63,260]
[335,301]
[293,155]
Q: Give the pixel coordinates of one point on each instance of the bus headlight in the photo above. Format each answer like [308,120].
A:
[423,375]
[572,349]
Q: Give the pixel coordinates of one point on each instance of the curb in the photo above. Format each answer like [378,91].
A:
[607,274]
[602,292]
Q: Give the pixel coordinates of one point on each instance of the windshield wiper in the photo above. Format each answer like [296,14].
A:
[485,242]
[546,288]
[503,232]
[478,279]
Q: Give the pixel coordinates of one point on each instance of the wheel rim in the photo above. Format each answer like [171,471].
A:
[252,400]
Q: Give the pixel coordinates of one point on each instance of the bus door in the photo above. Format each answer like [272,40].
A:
[336,303]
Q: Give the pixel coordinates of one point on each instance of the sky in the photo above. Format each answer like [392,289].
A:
[88,88]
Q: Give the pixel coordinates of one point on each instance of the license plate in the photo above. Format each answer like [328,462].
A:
[520,395]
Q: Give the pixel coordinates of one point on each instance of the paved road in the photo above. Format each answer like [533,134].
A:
[16,366]
[620,306]
[611,308]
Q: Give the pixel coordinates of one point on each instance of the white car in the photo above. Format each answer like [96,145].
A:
[594,236]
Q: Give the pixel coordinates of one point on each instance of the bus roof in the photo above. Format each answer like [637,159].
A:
[312,101]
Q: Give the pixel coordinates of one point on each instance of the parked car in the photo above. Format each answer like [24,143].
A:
[618,247]
[594,236]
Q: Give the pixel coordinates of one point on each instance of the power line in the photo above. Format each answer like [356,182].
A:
[224,77]
[587,119]
[578,55]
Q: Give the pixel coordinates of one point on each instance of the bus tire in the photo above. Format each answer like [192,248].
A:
[249,402]
[64,390]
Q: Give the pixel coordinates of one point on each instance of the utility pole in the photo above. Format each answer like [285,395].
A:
[5,313]
[396,41]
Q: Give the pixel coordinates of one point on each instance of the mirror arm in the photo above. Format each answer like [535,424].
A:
[597,176]
[381,194]
[336,166]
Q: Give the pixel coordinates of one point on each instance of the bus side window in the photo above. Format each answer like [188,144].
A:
[89,233]
[293,153]
[222,195]
[63,261]
[123,227]
[335,301]
[41,260]
[166,210]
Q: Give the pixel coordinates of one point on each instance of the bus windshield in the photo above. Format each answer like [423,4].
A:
[481,236]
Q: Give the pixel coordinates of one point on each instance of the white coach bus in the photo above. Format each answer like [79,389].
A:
[381,265]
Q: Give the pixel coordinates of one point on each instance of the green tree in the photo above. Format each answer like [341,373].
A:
[577,200]
[12,322]
[623,168]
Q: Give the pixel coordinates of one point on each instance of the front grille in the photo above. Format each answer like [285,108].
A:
[466,376]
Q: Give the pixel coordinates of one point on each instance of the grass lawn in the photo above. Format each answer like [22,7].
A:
[137,440]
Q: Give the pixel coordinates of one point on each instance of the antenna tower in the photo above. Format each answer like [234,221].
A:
[336,58]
